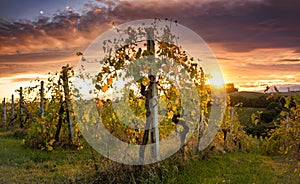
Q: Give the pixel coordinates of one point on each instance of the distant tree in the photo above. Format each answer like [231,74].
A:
[230,88]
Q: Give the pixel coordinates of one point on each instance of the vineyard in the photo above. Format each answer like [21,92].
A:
[42,123]
[62,132]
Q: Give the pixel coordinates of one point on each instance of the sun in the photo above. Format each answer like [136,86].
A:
[216,80]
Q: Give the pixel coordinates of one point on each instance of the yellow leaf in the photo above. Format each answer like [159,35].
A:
[99,103]
[176,92]
[170,114]
[173,48]
[133,140]
[51,141]
[49,148]
[174,108]
[180,128]
[104,88]
[181,60]
[145,81]
[109,81]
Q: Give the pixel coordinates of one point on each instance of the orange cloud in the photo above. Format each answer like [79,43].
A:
[251,39]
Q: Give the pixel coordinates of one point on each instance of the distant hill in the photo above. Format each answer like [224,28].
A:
[249,99]
[247,94]
[254,99]
[252,94]
[290,93]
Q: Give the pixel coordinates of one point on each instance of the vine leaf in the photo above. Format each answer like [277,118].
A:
[109,81]
[104,88]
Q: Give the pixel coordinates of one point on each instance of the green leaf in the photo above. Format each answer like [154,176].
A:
[138,54]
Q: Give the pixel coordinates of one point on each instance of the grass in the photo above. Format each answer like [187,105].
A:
[237,168]
[23,165]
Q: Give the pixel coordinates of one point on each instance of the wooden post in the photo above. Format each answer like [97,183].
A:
[42,99]
[60,120]
[150,42]
[67,100]
[154,131]
[151,106]
[201,122]
[4,111]
[200,129]
[12,107]
[287,120]
[29,115]
[154,109]
[231,123]
[21,108]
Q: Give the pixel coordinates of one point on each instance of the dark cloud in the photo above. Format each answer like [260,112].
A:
[273,67]
[254,25]
[290,60]
[250,85]
[41,57]
[63,31]
[234,26]
[225,58]
[237,25]
[25,79]
[41,62]
[9,70]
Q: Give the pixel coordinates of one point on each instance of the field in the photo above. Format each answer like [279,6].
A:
[23,165]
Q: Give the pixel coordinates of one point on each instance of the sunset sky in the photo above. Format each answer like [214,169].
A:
[257,42]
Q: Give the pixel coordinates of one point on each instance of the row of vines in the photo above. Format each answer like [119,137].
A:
[47,125]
